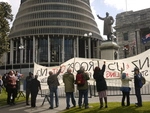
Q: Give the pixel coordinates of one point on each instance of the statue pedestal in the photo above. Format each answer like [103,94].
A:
[109,50]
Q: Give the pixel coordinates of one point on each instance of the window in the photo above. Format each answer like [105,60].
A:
[125,36]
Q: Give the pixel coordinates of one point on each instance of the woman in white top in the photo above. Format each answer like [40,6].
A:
[125,89]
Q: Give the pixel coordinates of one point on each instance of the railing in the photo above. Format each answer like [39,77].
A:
[113,89]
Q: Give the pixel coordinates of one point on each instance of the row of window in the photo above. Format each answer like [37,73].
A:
[72,2]
[48,15]
[59,23]
[58,31]
[54,7]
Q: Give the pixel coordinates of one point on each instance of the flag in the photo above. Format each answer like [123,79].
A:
[146,38]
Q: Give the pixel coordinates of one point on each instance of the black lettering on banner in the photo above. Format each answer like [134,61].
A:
[146,60]
[91,65]
[86,67]
[75,65]
[133,62]
[41,72]
[109,66]
[119,68]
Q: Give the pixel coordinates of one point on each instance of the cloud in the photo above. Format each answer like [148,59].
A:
[128,4]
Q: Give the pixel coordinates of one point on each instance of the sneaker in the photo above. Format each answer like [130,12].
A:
[51,108]
[86,107]
[67,107]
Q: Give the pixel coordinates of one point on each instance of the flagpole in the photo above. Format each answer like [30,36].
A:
[126,4]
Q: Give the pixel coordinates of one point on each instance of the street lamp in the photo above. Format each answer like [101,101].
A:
[125,49]
[21,47]
[89,44]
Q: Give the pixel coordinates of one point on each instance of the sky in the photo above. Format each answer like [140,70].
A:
[100,7]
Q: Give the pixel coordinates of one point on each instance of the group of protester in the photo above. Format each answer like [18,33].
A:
[11,83]
[101,85]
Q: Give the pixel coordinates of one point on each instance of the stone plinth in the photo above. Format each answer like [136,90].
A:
[108,50]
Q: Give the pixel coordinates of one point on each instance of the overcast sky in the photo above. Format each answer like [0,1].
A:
[101,7]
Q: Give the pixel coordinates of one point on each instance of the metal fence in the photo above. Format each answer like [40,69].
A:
[113,89]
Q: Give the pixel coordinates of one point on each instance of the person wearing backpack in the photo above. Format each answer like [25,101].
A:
[82,85]
[101,84]
[138,86]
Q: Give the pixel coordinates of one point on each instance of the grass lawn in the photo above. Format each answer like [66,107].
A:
[113,107]
[3,98]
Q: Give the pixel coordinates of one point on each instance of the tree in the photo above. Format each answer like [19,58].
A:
[5,17]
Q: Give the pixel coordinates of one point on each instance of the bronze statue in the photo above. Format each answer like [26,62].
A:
[108,21]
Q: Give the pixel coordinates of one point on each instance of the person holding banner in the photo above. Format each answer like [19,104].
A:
[137,82]
[68,79]
[125,88]
[53,84]
[101,84]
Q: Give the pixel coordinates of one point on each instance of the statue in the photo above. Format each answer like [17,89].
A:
[108,21]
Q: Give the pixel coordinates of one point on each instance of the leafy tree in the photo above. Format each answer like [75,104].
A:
[5,17]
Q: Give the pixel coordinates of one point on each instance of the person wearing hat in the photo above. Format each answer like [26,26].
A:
[137,82]
[125,88]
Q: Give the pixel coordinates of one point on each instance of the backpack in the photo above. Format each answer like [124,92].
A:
[142,81]
[80,80]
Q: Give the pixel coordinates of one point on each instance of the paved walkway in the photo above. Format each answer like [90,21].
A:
[22,108]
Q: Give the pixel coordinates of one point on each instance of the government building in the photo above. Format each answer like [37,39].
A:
[50,32]
[133,32]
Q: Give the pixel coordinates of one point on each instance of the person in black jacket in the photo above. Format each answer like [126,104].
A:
[35,87]
[28,84]
[101,84]
[137,81]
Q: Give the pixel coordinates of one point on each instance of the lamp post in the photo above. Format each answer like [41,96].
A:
[125,49]
[21,47]
[89,35]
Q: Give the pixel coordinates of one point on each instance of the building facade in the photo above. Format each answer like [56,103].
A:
[51,32]
[131,28]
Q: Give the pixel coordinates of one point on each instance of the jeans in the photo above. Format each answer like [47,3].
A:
[27,95]
[53,90]
[85,94]
[138,96]
[127,96]
[68,95]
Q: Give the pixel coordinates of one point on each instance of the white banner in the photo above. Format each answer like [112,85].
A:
[112,72]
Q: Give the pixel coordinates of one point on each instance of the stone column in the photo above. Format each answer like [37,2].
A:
[21,50]
[11,52]
[138,41]
[98,48]
[63,48]
[75,48]
[25,53]
[85,49]
[89,44]
[77,40]
[34,50]
[49,50]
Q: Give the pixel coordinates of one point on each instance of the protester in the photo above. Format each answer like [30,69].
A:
[11,88]
[1,84]
[53,84]
[4,79]
[68,79]
[34,88]
[137,85]
[101,84]
[28,85]
[125,88]
[83,89]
